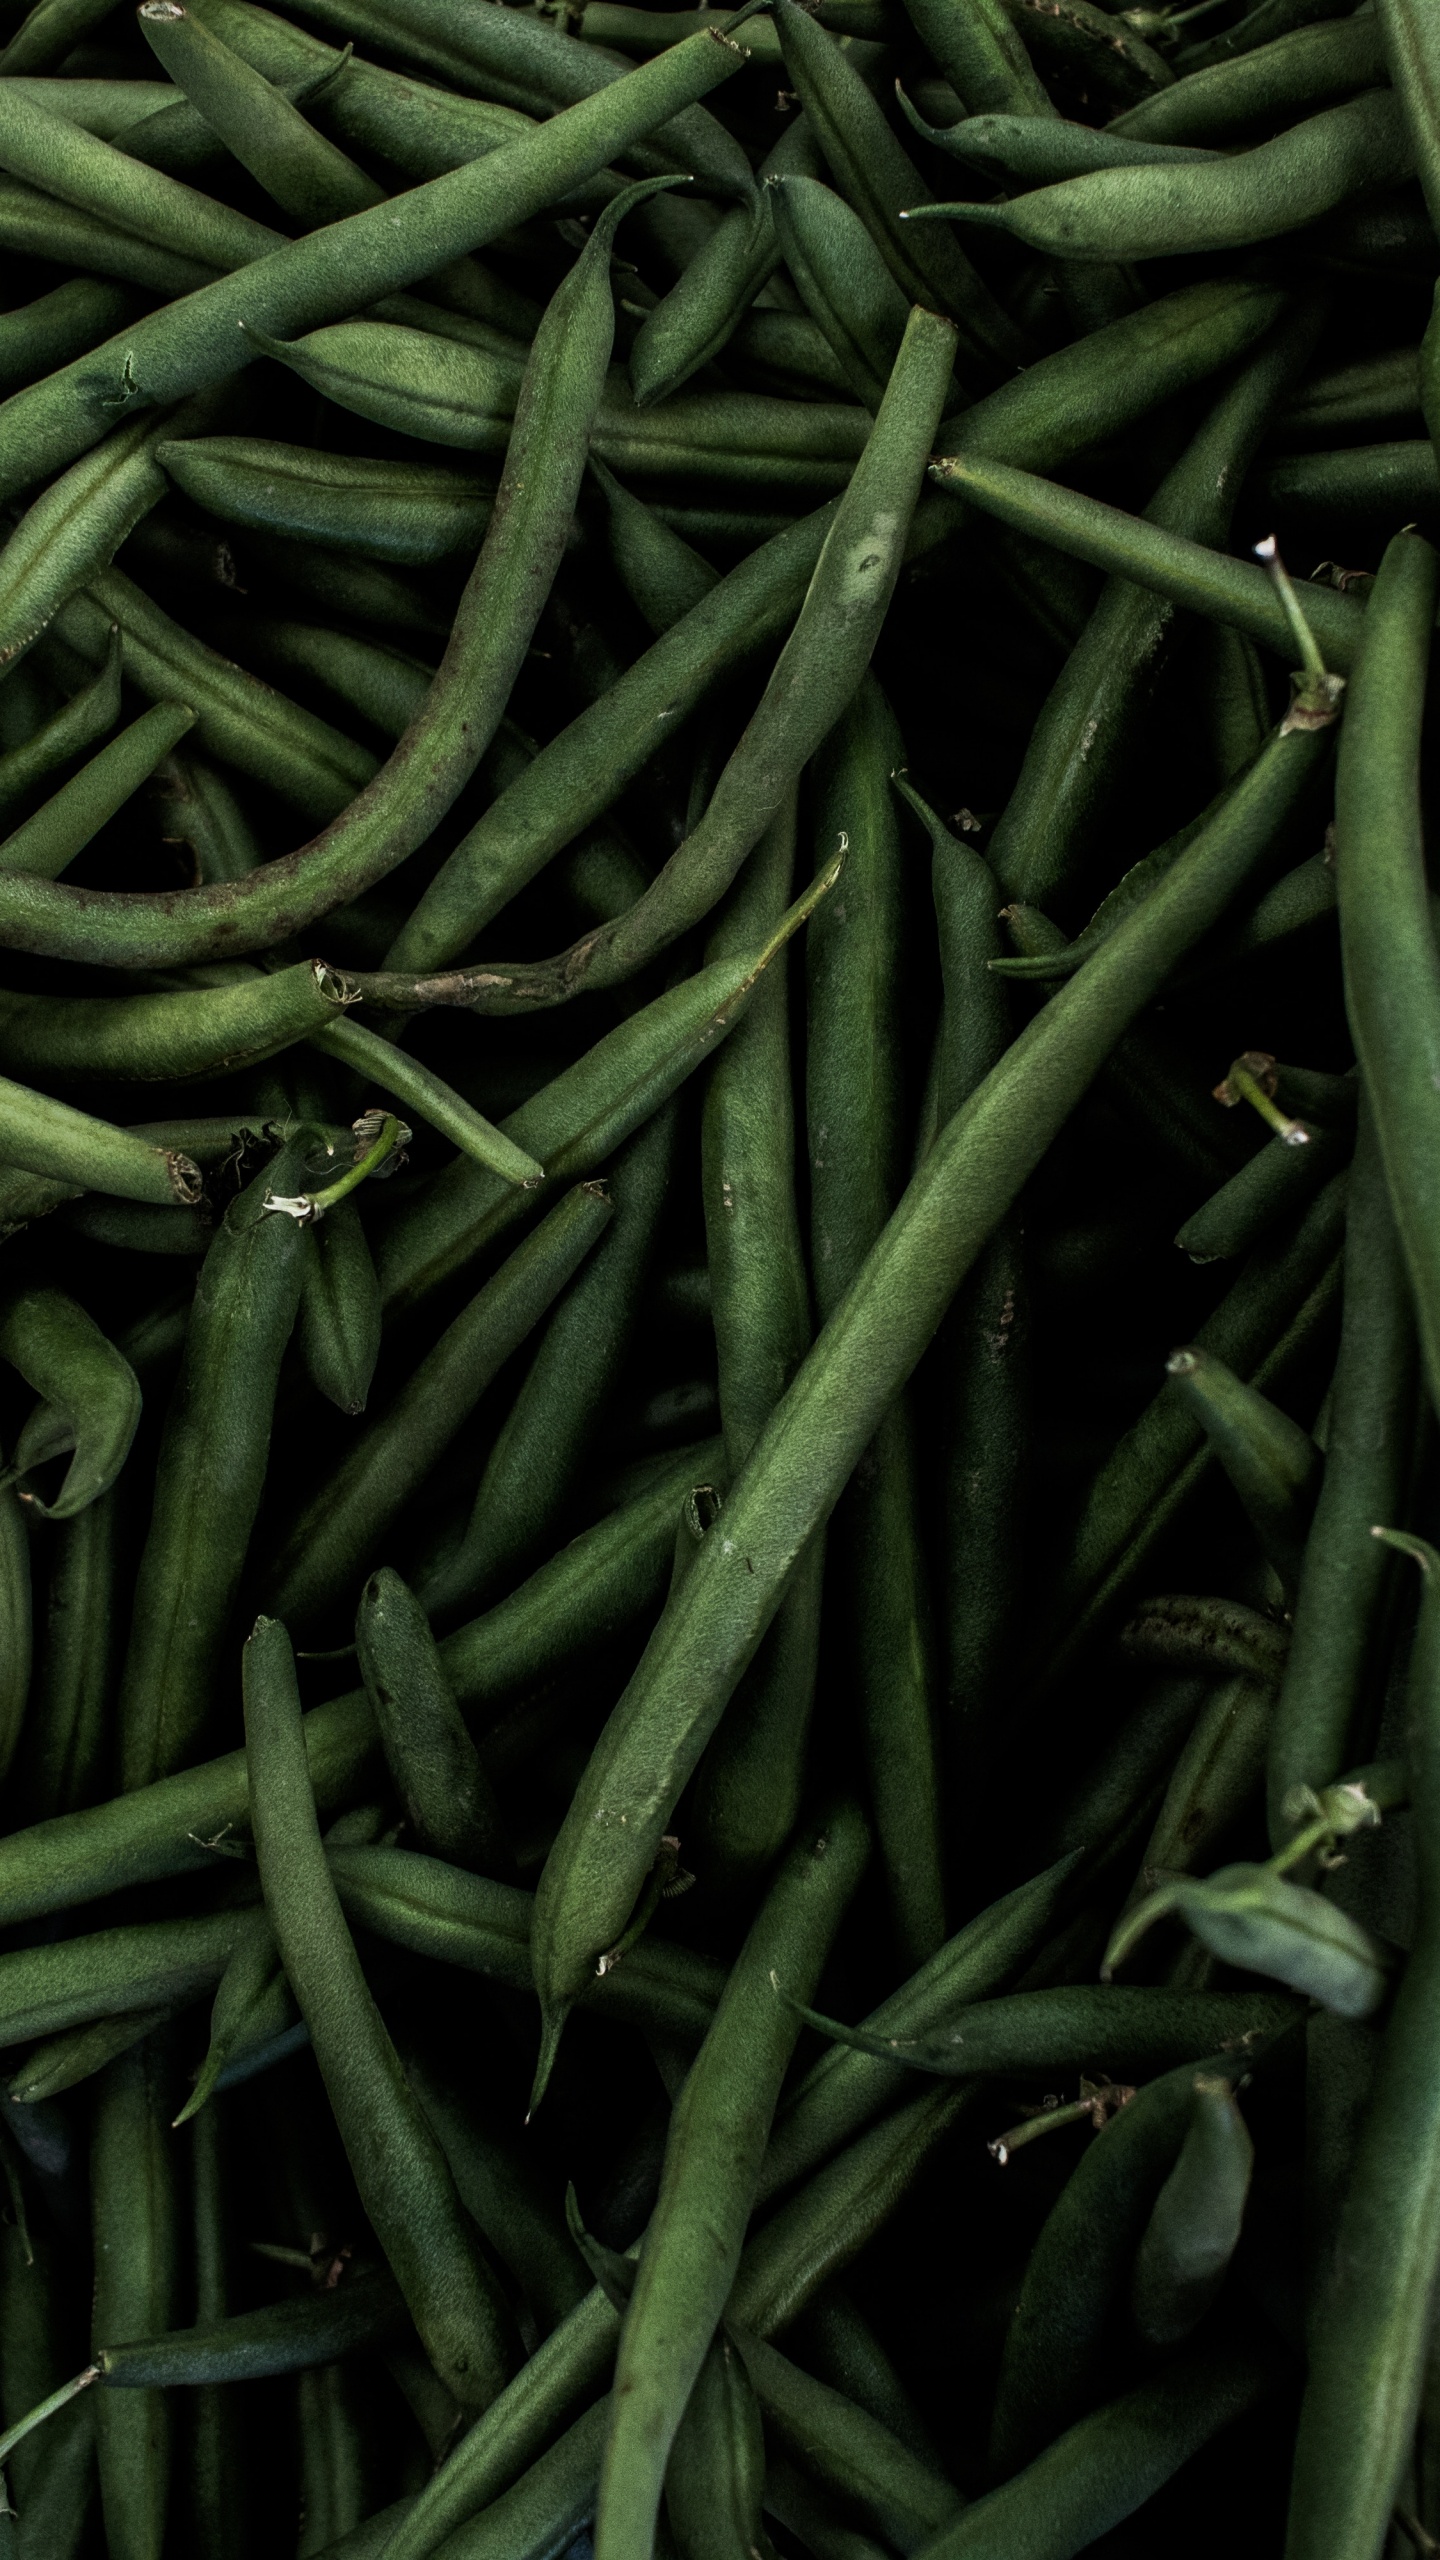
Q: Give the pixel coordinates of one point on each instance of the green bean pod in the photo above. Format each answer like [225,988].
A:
[1273,1464]
[403,2178]
[1037,148]
[47,843]
[339,1309]
[338,1535]
[1237,592]
[1392,974]
[1214,1781]
[848,2450]
[1079,2268]
[309,178]
[717,2139]
[1343,1576]
[74,529]
[1371,2311]
[1101,2470]
[693,321]
[599,1588]
[65,322]
[448,1799]
[842,278]
[1086,737]
[1265,1322]
[64,2061]
[288,2336]
[748,1787]
[503,2191]
[65,1752]
[410,512]
[862,1357]
[1193,2228]
[816,674]
[41,1136]
[250,1997]
[135,2217]
[540,1449]
[855,1111]
[209,1477]
[1276,1184]
[715,2477]
[85,721]
[90,1396]
[1273,82]
[878,177]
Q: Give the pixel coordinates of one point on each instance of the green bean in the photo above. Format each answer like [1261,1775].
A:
[1365,398]
[699,313]
[657,567]
[15,1622]
[409,512]
[1261,25]
[67,321]
[981,54]
[878,178]
[90,1396]
[1061,403]
[103,106]
[1049,2374]
[74,529]
[1092,49]
[715,2477]
[503,2191]
[1038,150]
[1392,974]
[307,177]
[817,671]
[1102,2470]
[1085,739]
[64,1753]
[749,1785]
[289,2336]
[847,2450]
[1371,2311]
[1184,1632]
[134,2211]
[34,225]
[1213,1783]
[1308,68]
[538,1454]
[530,65]
[1380,485]
[380,250]
[82,722]
[47,33]
[1137,2029]
[209,1477]
[1237,592]
[717,2139]
[200,809]
[1190,2237]
[855,1113]
[415,1085]
[1268,1317]
[339,1309]
[243,722]
[92,175]
[336,1536]
[1274,1185]
[862,1357]
[448,1799]
[45,1991]
[836,2342]
[47,843]
[458,1918]
[404,2182]
[359,681]
[1343,1579]
[64,2061]
[1252,195]
[801,2247]
[42,1136]
[845,283]
[573,1124]
[1273,1464]
[595,1590]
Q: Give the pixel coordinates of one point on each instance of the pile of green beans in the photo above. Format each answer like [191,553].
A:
[719,1280]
